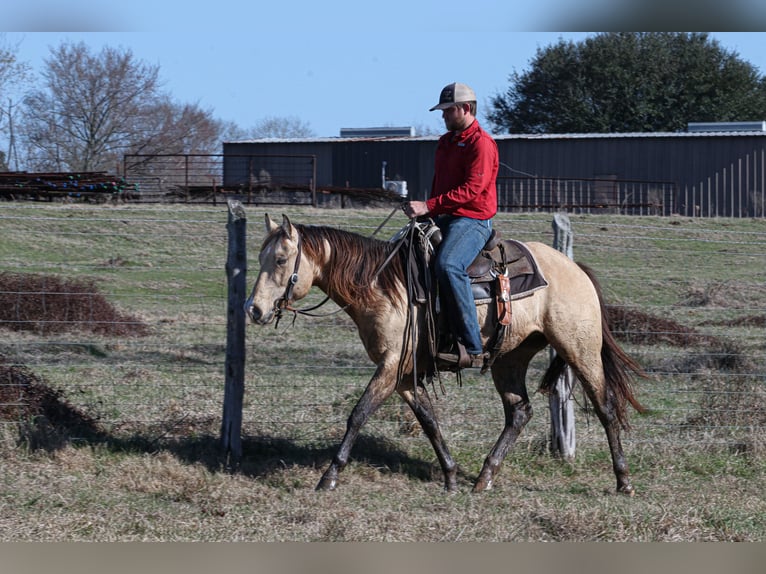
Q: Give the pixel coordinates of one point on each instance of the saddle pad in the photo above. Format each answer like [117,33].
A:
[524,273]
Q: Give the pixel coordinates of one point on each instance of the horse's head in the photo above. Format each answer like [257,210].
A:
[281,279]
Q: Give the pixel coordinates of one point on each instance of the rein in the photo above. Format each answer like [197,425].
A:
[284,303]
[410,336]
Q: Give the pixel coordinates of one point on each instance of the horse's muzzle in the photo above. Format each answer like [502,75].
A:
[256,315]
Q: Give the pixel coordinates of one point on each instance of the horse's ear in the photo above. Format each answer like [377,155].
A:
[289,229]
[270,225]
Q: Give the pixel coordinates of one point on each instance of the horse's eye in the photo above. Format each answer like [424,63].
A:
[281,261]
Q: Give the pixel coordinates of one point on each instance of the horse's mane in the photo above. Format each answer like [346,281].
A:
[354,261]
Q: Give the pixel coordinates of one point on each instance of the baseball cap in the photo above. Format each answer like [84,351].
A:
[452,94]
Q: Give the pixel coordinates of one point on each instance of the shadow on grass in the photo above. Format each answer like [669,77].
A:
[46,421]
[267,456]
[263,456]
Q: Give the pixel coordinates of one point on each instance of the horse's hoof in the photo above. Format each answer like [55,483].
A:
[482,485]
[485,480]
[450,481]
[327,484]
[627,490]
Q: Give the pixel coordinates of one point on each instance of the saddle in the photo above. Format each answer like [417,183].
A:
[503,271]
[504,258]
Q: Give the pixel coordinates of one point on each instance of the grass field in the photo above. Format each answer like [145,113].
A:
[147,466]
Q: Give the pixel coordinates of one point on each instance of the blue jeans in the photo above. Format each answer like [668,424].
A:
[462,240]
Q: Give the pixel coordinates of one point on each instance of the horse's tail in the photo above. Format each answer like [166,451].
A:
[619,367]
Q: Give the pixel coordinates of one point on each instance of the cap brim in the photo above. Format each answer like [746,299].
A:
[442,106]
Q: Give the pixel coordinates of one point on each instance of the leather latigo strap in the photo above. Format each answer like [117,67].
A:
[503,300]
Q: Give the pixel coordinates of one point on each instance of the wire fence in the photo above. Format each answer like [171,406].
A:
[694,291]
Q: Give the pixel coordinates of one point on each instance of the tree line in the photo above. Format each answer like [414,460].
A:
[87,110]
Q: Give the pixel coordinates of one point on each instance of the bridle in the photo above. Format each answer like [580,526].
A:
[284,303]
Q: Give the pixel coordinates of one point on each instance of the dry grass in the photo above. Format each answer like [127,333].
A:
[93,493]
[728,294]
[115,438]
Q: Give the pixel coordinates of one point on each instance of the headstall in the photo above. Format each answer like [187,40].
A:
[283,303]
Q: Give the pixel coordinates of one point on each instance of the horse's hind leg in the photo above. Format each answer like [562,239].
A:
[606,411]
[510,384]
[424,412]
[380,387]
[607,406]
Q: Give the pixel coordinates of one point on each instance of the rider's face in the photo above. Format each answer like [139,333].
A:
[455,117]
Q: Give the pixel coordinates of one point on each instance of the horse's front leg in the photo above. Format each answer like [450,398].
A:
[509,382]
[380,387]
[516,416]
[426,416]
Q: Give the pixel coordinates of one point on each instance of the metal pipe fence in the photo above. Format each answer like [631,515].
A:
[735,190]
[270,179]
[549,195]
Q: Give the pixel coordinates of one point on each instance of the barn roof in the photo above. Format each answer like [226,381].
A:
[543,136]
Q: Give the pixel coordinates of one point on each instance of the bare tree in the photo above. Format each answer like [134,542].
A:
[422,129]
[174,130]
[90,109]
[280,127]
[268,127]
[13,75]
[95,108]
[178,129]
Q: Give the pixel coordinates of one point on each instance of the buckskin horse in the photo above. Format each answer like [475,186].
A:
[361,276]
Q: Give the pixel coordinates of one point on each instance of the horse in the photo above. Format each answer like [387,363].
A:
[364,278]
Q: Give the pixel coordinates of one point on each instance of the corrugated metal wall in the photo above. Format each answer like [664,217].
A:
[716,174]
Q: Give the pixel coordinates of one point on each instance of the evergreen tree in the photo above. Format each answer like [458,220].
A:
[630,82]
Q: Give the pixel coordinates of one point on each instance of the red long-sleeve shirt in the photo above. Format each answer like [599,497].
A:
[465,171]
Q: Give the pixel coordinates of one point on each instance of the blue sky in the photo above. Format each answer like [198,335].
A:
[331,64]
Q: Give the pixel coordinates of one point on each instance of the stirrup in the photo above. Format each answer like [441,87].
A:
[461,360]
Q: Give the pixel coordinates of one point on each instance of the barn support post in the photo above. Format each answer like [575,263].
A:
[312,183]
[563,441]
[234,388]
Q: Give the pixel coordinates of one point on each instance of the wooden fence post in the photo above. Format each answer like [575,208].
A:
[234,390]
[563,442]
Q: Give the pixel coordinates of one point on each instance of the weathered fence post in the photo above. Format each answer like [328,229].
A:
[563,440]
[234,390]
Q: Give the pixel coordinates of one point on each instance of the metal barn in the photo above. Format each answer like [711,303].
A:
[694,173]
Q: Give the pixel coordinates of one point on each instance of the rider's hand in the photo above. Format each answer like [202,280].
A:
[414,209]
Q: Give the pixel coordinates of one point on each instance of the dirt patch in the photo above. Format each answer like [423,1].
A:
[746,321]
[720,355]
[728,294]
[633,326]
[47,304]
[46,420]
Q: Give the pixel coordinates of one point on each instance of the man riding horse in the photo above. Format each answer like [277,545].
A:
[463,202]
